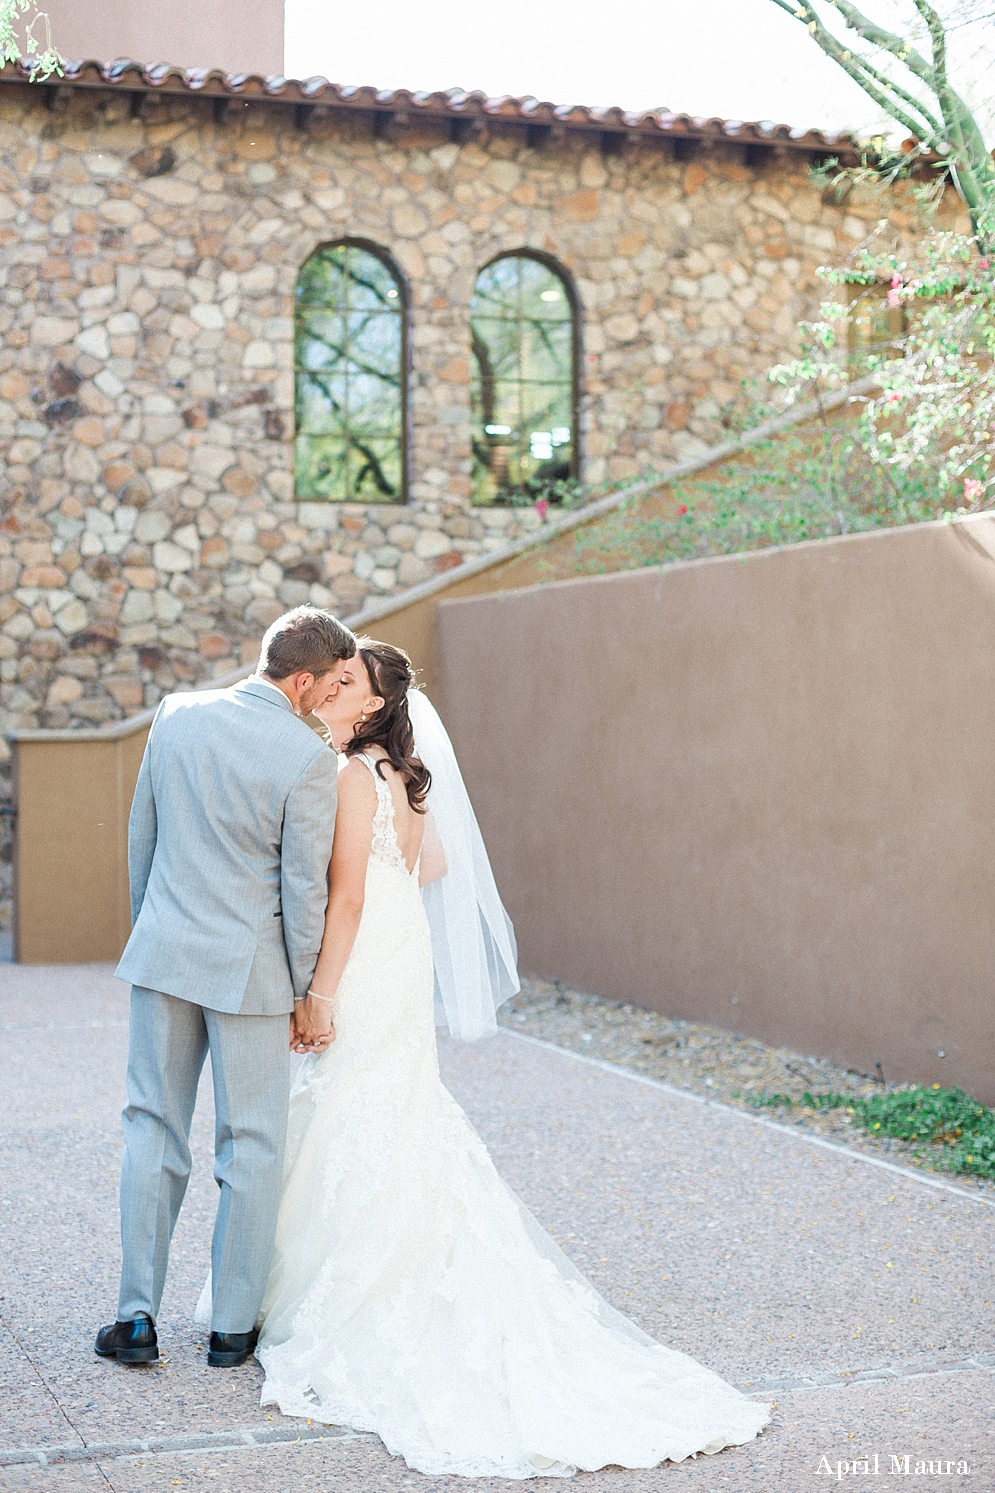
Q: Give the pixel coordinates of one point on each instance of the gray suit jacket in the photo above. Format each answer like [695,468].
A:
[228,848]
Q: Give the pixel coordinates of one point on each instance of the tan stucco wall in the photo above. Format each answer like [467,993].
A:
[226,34]
[764,779]
[71,848]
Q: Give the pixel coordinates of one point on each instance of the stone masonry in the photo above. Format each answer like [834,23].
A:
[149,251]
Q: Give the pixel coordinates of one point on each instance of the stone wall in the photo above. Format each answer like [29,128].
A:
[149,531]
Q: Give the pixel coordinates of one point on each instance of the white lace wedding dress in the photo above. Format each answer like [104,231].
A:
[411,1293]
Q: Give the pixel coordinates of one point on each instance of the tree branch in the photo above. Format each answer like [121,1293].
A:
[955,134]
[889,84]
[866,76]
[885,82]
[886,40]
[971,162]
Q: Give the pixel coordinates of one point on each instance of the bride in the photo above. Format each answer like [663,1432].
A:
[411,1293]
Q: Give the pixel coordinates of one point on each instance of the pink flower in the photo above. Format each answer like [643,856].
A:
[984,264]
[896,281]
[972,489]
[894,299]
[542,507]
[682,510]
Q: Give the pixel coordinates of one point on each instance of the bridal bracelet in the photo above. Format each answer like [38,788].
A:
[328,999]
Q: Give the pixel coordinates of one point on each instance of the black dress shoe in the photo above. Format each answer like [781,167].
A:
[129,1342]
[228,1349]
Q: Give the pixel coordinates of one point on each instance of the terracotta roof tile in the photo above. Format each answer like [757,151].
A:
[453,103]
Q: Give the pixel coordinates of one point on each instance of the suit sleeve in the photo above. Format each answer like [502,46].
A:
[142,831]
[308,831]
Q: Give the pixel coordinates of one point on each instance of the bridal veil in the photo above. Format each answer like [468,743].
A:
[473,942]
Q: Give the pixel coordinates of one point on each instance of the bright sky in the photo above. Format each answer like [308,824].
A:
[739,59]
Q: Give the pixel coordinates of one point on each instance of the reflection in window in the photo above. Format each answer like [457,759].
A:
[523,382]
[349,360]
[874,326]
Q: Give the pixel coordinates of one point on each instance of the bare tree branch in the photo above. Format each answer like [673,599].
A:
[871,32]
[950,128]
[873,82]
[969,145]
[889,84]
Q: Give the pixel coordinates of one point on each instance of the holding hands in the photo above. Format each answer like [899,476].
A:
[311,1028]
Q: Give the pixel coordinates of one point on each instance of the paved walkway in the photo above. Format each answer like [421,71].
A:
[859,1297]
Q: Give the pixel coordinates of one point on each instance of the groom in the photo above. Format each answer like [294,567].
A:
[228,848]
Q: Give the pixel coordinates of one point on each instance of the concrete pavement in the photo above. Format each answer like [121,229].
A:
[860,1297]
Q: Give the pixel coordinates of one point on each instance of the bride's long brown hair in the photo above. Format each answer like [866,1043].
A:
[391,676]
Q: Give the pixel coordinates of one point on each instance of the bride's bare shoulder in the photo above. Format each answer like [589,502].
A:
[355,781]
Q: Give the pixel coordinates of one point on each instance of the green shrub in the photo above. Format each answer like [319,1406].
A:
[948,1119]
[805,484]
[959,1131]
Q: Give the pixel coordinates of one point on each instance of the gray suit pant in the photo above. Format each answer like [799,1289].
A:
[250,1062]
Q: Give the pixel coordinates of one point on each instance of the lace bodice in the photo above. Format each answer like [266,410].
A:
[385,850]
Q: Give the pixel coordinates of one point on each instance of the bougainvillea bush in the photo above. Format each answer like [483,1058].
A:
[932,416]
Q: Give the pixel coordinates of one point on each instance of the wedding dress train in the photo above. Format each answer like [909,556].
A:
[412,1294]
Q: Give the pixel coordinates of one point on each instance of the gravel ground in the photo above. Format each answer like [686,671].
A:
[857,1301]
[709,1061]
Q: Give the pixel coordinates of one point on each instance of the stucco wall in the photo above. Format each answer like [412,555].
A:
[754,791]
[149,247]
[226,34]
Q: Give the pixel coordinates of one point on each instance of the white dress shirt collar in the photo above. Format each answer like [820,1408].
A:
[268,684]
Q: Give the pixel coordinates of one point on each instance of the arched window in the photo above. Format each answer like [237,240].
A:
[349,356]
[524,381]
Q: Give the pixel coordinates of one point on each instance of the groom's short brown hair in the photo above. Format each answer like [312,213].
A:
[305,640]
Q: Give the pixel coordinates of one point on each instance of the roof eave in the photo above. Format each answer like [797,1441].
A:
[132,77]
